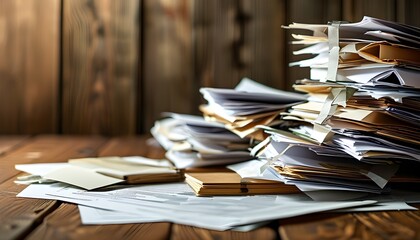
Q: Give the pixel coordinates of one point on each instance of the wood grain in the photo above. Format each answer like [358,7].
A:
[167,65]
[181,232]
[407,12]
[373,225]
[9,143]
[403,11]
[384,9]
[29,66]
[100,60]
[48,149]
[219,42]
[19,216]
[64,223]
[264,42]
[143,145]
[236,39]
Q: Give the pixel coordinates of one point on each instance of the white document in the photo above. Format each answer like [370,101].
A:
[109,215]
[369,29]
[193,120]
[381,206]
[249,98]
[91,215]
[193,159]
[81,177]
[94,216]
[36,172]
[248,85]
[175,202]
[251,169]
[91,173]
[147,161]
[119,167]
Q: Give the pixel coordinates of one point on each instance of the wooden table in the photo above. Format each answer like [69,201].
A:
[45,219]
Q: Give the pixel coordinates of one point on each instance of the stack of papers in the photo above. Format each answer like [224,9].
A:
[231,183]
[359,129]
[247,106]
[93,173]
[190,141]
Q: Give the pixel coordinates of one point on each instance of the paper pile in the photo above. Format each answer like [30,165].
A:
[359,129]
[247,106]
[190,141]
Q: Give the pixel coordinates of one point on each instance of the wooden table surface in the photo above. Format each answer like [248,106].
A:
[46,219]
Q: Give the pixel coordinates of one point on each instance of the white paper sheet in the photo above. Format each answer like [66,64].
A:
[81,177]
[176,203]
[91,215]
[39,169]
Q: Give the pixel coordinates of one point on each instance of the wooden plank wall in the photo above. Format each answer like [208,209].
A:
[29,66]
[100,62]
[166,59]
[111,67]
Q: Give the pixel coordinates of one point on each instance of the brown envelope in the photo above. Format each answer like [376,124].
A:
[230,183]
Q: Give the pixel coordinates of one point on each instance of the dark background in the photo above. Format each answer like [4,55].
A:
[111,67]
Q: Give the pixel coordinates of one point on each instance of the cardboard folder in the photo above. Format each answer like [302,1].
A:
[129,171]
[384,52]
[230,183]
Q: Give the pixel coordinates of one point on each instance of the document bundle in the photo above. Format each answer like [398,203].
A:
[191,141]
[359,128]
[247,106]
[217,183]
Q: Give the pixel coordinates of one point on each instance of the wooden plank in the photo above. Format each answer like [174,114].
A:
[100,60]
[392,225]
[19,216]
[9,143]
[384,9]
[261,42]
[64,223]
[219,42]
[48,149]
[180,232]
[407,12]
[236,39]
[373,225]
[340,227]
[347,11]
[403,11]
[143,145]
[167,68]
[29,66]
